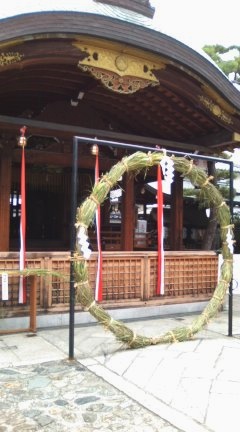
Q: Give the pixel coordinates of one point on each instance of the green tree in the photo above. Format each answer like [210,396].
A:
[230,67]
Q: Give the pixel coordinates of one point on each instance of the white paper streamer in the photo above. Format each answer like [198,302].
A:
[4,286]
[83,243]
[167,166]
[229,240]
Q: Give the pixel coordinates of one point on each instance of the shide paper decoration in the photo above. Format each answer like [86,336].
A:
[83,243]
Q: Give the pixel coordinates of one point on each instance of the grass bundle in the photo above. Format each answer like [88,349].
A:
[209,195]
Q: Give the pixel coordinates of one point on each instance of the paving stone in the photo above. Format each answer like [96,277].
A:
[44,420]
[89,417]
[86,400]
[93,406]
[61,402]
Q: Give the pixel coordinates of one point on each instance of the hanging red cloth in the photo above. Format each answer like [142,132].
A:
[98,289]
[160,272]
[22,296]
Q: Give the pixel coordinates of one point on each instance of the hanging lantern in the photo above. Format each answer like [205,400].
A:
[95,150]
[22,140]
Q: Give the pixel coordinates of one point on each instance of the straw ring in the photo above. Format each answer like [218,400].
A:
[184,167]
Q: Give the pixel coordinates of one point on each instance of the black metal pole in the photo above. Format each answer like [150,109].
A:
[230,296]
[128,146]
[72,246]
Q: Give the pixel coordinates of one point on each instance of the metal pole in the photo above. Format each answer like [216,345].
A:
[230,297]
[116,144]
[72,246]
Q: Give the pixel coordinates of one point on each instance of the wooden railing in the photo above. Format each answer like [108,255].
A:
[127,277]
[111,240]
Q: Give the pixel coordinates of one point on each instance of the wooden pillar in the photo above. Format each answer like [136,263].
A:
[5,190]
[127,213]
[176,219]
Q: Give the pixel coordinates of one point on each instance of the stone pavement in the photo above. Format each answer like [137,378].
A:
[190,386]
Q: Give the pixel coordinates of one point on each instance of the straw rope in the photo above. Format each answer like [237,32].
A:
[208,194]
[189,168]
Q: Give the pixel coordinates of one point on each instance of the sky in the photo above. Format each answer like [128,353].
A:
[199,23]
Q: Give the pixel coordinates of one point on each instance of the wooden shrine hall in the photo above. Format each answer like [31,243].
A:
[104,71]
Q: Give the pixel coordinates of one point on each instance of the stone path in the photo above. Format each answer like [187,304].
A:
[191,386]
[64,396]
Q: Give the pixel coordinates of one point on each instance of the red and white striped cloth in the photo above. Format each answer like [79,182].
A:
[160,273]
[22,295]
[98,288]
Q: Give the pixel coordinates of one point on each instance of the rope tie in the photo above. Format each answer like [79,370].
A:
[223,282]
[150,158]
[207,181]
[190,167]
[190,332]
[222,204]
[205,316]
[76,258]
[79,284]
[91,305]
[94,199]
[217,298]
[81,224]
[125,164]
[109,183]
[174,339]
[227,226]
[133,339]
[111,321]
[226,243]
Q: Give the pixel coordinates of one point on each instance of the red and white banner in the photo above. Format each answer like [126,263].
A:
[160,274]
[98,289]
[22,295]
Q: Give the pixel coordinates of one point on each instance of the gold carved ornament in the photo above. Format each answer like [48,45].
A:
[215,109]
[121,73]
[125,84]
[9,58]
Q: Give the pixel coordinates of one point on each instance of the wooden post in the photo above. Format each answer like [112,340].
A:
[47,286]
[128,215]
[146,281]
[33,304]
[176,219]
[5,187]
[32,314]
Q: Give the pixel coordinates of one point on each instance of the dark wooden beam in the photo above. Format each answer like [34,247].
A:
[68,131]
[5,185]
[38,157]
[219,139]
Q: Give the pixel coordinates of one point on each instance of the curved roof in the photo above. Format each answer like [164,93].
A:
[86,6]
[193,106]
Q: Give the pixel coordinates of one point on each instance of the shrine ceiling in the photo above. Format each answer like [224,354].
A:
[99,74]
